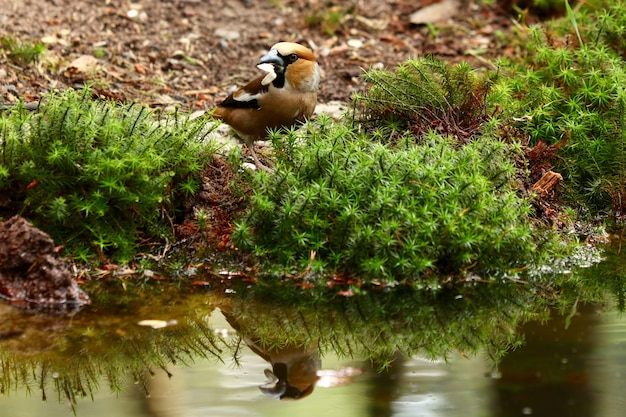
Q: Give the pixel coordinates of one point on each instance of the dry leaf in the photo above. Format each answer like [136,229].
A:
[157,324]
[141,69]
[434,13]
[83,63]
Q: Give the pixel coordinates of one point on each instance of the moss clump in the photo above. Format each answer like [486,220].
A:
[424,95]
[564,97]
[574,96]
[382,211]
[21,51]
[98,176]
[607,25]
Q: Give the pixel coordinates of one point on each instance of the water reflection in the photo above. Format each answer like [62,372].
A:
[551,375]
[70,355]
[385,386]
[294,366]
[418,350]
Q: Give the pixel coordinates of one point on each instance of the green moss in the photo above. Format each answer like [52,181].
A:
[573,95]
[423,95]
[382,211]
[99,176]
[22,51]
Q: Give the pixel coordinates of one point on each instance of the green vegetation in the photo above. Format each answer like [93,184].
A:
[425,95]
[573,96]
[22,51]
[427,177]
[68,359]
[376,325]
[329,18]
[99,176]
[430,185]
[381,211]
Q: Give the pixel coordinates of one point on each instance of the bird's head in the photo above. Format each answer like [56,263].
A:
[292,63]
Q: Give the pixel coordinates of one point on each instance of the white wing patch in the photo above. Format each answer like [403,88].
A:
[245,97]
[271,75]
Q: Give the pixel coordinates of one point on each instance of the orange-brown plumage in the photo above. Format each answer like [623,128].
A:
[283,97]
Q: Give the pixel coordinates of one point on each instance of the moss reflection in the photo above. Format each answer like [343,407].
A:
[378,325]
[290,327]
[71,357]
[599,278]
[607,277]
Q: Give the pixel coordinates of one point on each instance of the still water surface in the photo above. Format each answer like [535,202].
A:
[571,364]
[580,371]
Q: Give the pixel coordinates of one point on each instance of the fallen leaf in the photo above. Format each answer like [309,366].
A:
[141,69]
[84,63]
[157,324]
[33,184]
[435,12]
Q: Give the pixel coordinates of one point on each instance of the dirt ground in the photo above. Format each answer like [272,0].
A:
[189,52]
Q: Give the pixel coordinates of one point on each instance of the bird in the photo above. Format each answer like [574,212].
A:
[294,366]
[284,96]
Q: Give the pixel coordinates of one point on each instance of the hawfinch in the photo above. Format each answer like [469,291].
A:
[294,366]
[284,96]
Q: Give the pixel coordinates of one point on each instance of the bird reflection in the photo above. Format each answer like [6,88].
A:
[294,367]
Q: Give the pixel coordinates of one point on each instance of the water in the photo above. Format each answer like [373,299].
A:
[408,354]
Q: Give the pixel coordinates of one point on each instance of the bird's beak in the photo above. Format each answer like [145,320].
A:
[273,58]
[274,387]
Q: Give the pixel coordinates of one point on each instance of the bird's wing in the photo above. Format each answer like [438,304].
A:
[247,96]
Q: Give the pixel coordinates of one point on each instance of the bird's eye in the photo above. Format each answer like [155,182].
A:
[292,58]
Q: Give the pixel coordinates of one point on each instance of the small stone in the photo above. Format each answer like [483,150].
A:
[189,12]
[84,63]
[436,12]
[11,89]
[355,43]
[227,34]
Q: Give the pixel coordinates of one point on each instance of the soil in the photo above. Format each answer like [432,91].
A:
[190,52]
[31,270]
